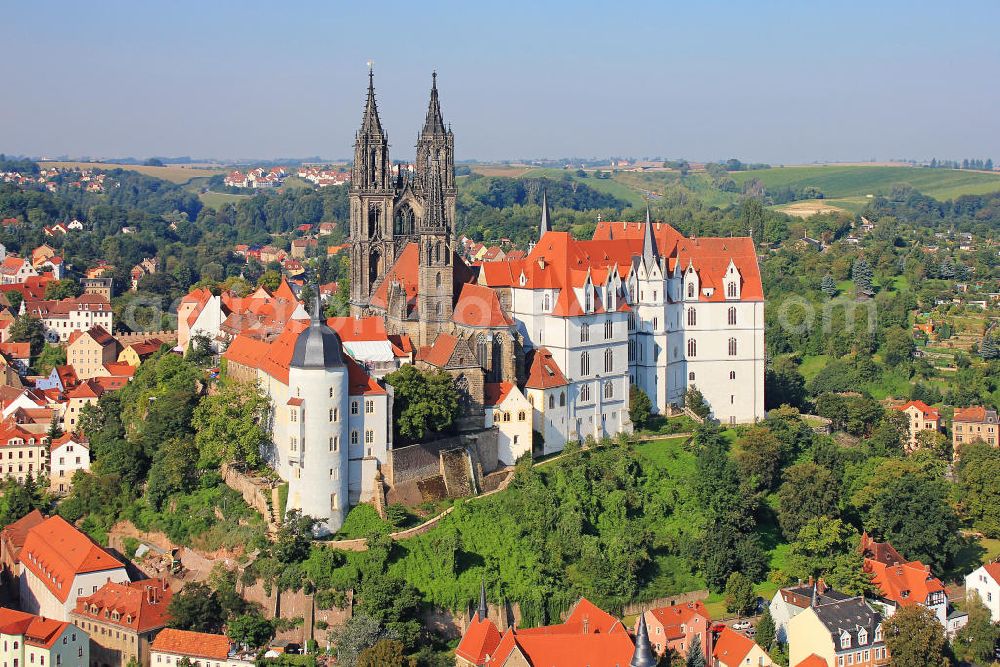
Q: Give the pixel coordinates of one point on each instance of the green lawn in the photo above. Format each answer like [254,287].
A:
[217,199]
[812,364]
[857,181]
[668,454]
[605,185]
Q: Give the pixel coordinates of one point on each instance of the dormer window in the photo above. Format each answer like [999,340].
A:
[731,290]
[588,299]
[878,633]
[862,637]
[690,290]
[845,640]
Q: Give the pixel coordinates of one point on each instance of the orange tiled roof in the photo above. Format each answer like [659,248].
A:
[993,569]
[141,605]
[906,584]
[494,393]
[120,369]
[479,306]
[37,631]
[55,552]
[479,641]
[440,352]
[813,660]
[543,371]
[15,533]
[977,414]
[732,647]
[671,618]
[351,329]
[927,411]
[193,644]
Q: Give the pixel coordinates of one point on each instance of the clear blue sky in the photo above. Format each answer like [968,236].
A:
[781,82]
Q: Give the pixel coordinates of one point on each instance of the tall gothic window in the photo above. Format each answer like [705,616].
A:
[562,399]
[588,299]
[609,389]
[585,363]
[690,290]
[609,360]
[692,348]
[609,329]
[584,333]
[585,392]
[731,290]
[732,316]
[546,302]
[692,317]
[732,347]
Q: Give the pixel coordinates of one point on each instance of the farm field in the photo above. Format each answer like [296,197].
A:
[217,199]
[172,173]
[810,207]
[838,181]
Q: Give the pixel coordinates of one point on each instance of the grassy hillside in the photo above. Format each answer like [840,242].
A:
[859,181]
[172,173]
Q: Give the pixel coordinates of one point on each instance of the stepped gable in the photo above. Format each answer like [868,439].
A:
[55,552]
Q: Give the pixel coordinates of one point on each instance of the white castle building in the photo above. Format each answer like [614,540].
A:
[330,421]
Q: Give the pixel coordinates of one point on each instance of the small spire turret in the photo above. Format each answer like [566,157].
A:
[483,610]
[643,655]
[546,225]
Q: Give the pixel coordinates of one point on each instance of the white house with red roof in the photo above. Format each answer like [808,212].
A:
[15,270]
[331,425]
[171,646]
[35,640]
[920,417]
[509,410]
[67,454]
[545,389]
[984,581]
[60,564]
[61,318]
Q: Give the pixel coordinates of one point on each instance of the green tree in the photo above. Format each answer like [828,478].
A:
[57,290]
[270,280]
[174,470]
[250,630]
[828,548]
[979,486]
[28,329]
[359,633]
[808,492]
[784,384]
[740,596]
[914,636]
[696,654]
[862,275]
[934,442]
[230,425]
[385,653]
[18,499]
[898,348]
[294,537]
[640,408]
[766,632]
[196,607]
[752,214]
[50,357]
[828,286]
[976,640]
[759,455]
[695,401]
[425,402]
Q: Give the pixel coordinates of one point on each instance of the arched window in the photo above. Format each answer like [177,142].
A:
[546,302]
[731,290]
[609,360]
[732,347]
[482,351]
[692,317]
[437,281]
[609,329]
[585,392]
[506,416]
[584,333]
[552,401]
[585,363]
[520,416]
[732,316]
[631,350]
[496,417]
[690,290]
[692,348]
[588,299]
[691,376]
[562,399]
[631,321]
[732,375]
[609,389]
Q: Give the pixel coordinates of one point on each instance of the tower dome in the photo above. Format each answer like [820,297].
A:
[318,346]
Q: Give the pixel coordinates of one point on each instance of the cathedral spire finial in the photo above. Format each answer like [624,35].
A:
[546,225]
[483,610]
[643,655]
[370,123]
[649,251]
[434,123]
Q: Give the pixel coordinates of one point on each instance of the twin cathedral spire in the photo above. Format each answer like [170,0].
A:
[392,206]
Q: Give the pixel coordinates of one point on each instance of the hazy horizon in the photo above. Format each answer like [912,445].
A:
[771,82]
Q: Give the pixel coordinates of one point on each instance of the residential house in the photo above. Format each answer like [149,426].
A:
[12,538]
[89,350]
[87,392]
[920,417]
[588,637]
[972,424]
[100,285]
[365,339]
[793,600]
[509,411]
[903,583]
[14,270]
[734,649]
[35,640]
[17,355]
[546,391]
[673,628]
[144,268]
[200,648]
[327,228]
[67,454]
[60,564]
[135,353]
[41,254]
[122,619]
[846,632]
[61,318]
[300,247]
[23,454]
[984,581]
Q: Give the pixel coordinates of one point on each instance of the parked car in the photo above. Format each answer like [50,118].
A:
[742,625]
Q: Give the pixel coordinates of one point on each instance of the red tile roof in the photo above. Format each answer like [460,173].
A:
[36,630]
[927,411]
[672,618]
[479,641]
[543,371]
[16,350]
[977,414]
[55,552]
[440,352]
[141,605]
[353,329]
[99,334]
[120,369]
[906,584]
[494,393]
[479,306]
[404,271]
[993,569]
[731,647]
[193,644]
[15,533]
[813,660]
